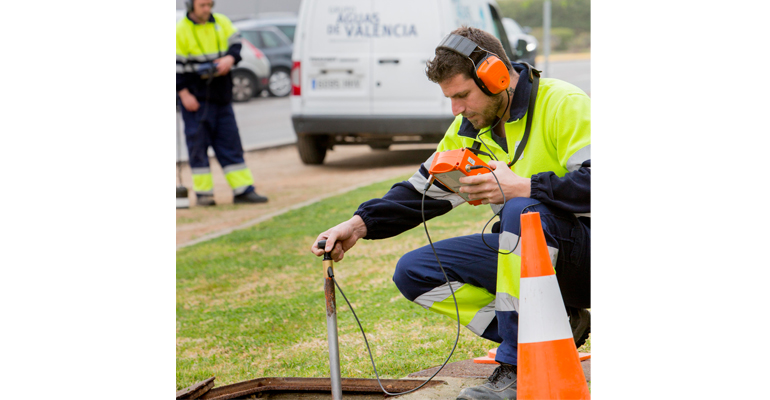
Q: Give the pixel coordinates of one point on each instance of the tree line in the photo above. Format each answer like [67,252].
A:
[570,21]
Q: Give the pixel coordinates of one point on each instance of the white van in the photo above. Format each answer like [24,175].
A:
[358,73]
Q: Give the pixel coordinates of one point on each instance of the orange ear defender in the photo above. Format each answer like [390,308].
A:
[490,74]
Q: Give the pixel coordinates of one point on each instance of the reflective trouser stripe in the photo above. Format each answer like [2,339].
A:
[203,183]
[506,302]
[201,170]
[476,305]
[239,177]
[545,318]
[483,318]
[437,294]
[509,271]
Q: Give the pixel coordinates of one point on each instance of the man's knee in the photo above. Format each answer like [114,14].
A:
[403,276]
[511,215]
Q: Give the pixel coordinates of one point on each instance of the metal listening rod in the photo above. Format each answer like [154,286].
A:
[331,324]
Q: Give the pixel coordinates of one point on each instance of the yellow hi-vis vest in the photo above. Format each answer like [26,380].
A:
[559,141]
[560,136]
[201,43]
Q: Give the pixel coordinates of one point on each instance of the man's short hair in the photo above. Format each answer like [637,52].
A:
[447,63]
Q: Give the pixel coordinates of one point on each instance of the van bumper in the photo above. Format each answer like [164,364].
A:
[380,125]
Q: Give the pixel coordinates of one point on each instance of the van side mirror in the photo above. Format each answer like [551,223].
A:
[521,48]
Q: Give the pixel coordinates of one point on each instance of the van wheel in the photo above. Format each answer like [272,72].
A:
[312,148]
[279,84]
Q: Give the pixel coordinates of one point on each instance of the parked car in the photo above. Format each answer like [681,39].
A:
[286,23]
[524,43]
[277,47]
[359,70]
[250,76]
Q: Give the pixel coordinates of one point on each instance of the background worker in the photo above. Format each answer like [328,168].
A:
[552,177]
[206,96]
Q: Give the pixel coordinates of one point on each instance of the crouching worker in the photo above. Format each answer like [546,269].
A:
[547,171]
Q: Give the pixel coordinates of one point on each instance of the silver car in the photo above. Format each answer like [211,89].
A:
[524,43]
[274,37]
[250,76]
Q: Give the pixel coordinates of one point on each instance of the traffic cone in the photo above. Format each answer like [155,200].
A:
[490,357]
[549,365]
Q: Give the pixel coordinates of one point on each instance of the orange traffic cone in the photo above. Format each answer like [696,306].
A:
[549,366]
[490,357]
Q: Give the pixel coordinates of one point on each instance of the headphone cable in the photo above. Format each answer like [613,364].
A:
[478,136]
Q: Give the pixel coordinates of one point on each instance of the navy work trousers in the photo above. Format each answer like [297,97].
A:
[213,125]
[468,260]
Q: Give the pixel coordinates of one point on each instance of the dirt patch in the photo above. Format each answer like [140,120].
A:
[286,181]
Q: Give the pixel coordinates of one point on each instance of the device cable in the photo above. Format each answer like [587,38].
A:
[457,310]
[500,211]
[433,248]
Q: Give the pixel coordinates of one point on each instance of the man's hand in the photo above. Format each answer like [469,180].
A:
[224,64]
[340,238]
[484,186]
[189,101]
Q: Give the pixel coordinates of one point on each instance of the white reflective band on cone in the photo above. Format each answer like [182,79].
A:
[541,311]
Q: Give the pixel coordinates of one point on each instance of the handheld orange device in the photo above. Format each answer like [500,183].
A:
[449,166]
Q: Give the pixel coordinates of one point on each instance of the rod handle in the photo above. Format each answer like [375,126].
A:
[321,245]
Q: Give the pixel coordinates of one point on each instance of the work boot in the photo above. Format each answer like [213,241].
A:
[249,198]
[205,200]
[580,322]
[501,385]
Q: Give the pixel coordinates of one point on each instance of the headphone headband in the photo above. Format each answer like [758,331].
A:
[459,44]
[190,4]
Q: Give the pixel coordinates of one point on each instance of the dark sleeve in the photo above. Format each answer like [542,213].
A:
[183,80]
[235,51]
[571,192]
[183,75]
[398,211]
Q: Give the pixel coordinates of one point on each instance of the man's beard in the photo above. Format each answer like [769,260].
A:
[489,113]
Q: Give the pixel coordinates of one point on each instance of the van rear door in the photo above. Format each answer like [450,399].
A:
[336,72]
[404,36]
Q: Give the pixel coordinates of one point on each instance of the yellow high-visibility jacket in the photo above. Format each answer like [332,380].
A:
[198,44]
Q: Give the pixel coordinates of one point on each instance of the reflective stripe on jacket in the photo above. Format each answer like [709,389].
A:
[197,44]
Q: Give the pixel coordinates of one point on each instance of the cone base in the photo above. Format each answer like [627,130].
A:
[551,370]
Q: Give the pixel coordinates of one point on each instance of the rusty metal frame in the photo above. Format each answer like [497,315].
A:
[354,385]
[196,390]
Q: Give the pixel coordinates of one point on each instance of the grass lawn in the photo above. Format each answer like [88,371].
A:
[251,304]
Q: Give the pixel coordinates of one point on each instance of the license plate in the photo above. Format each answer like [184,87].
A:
[336,84]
